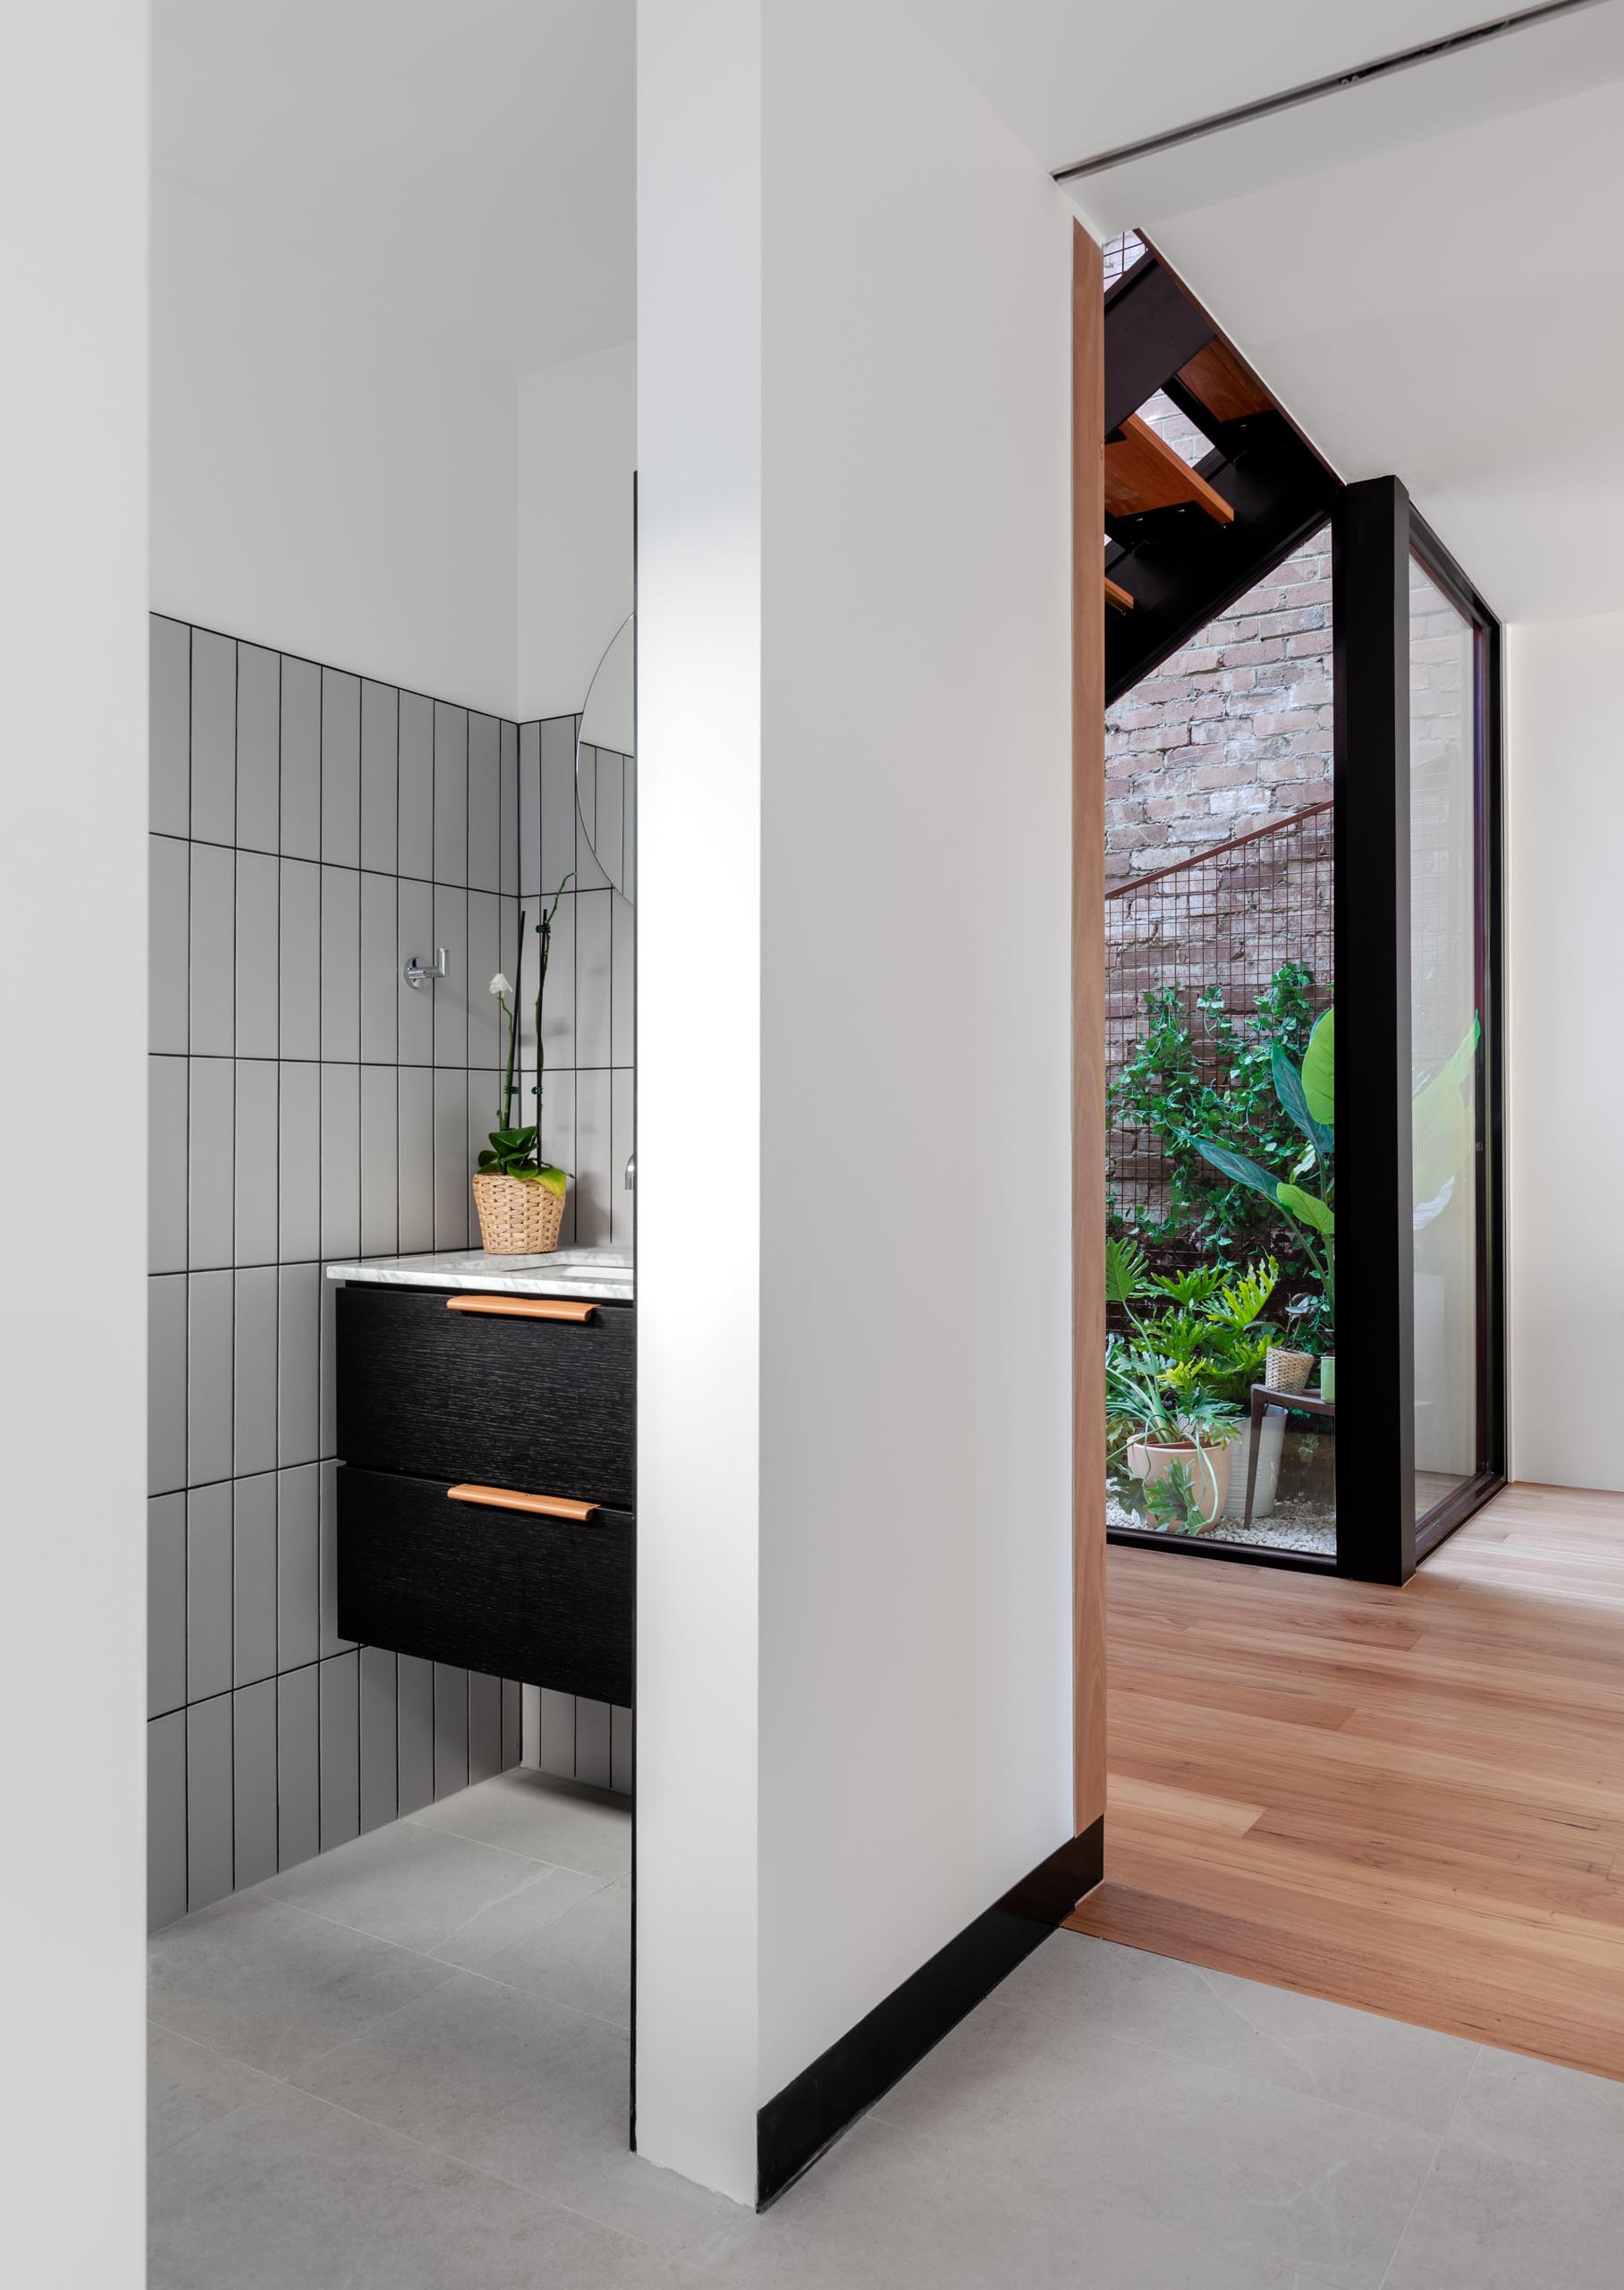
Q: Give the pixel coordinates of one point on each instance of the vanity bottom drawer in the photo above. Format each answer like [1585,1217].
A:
[509,1592]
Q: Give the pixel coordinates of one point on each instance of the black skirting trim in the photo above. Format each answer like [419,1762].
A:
[809,2114]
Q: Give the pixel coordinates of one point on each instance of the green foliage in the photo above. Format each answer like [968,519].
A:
[512,1154]
[1216,1076]
[1174,1502]
[1319,1069]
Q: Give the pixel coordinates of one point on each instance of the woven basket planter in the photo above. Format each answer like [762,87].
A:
[1287,1372]
[517,1217]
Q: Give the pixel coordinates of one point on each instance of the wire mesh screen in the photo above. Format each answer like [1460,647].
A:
[1206,936]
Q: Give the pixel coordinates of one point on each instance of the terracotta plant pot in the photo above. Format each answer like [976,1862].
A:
[1208,1467]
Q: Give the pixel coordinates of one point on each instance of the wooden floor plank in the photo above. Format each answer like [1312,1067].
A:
[1411,1800]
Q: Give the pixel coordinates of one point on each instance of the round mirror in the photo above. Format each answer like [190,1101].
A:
[607,761]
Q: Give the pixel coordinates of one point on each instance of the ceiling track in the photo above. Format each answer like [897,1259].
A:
[1313,90]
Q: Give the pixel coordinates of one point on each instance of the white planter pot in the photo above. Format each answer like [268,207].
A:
[1269,1450]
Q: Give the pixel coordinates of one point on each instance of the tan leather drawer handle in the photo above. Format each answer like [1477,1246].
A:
[510,1498]
[525,1308]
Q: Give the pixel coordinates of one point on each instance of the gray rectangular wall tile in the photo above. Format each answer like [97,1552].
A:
[450,1729]
[254,1781]
[210,1126]
[620,1750]
[560,996]
[168,992]
[341,1160]
[415,1720]
[590,875]
[595,1174]
[166,1820]
[484,803]
[380,732]
[254,1579]
[555,1737]
[341,769]
[331,1641]
[484,1726]
[416,1160]
[341,1750]
[259,741]
[416,815]
[298,1363]
[166,1383]
[487,1036]
[415,1005]
[213,964]
[513,1722]
[453,1196]
[209,1591]
[450,993]
[209,1855]
[328,1424]
[299,1162]
[593,1005]
[622,1138]
[298,1766]
[380,1161]
[254,1373]
[451,795]
[341,963]
[380,983]
[301,758]
[169,724]
[622,981]
[559,826]
[258,955]
[256,1147]
[298,1565]
[208,1377]
[510,810]
[481,1120]
[379,1801]
[558,1141]
[165,1603]
[593,1743]
[214,737]
[299,960]
[166,1164]
[529,811]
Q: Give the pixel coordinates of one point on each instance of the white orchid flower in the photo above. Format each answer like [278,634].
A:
[499,984]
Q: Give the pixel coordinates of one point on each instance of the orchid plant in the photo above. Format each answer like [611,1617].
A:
[516,1151]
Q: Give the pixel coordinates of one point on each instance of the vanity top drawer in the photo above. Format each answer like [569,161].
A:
[460,1577]
[469,1393]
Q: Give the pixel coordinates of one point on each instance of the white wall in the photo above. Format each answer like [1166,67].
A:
[327,478]
[73,134]
[854,1490]
[1565,831]
[577,452]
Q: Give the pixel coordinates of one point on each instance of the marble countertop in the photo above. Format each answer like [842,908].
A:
[606,1273]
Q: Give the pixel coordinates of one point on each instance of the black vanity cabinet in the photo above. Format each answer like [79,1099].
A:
[484,1502]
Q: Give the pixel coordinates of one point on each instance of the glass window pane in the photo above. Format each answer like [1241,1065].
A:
[1445,1030]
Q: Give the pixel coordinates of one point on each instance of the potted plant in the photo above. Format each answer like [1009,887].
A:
[1306,1093]
[1174,1382]
[519,1196]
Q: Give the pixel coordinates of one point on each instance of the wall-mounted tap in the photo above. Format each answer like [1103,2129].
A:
[419,974]
[631,1172]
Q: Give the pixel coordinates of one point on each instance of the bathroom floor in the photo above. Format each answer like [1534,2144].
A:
[403,2066]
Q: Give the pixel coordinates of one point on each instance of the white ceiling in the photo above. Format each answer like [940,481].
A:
[473,160]
[1446,306]
[1076,77]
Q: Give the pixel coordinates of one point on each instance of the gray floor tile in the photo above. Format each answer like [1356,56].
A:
[1087,1988]
[1527,2188]
[273,1987]
[576,1952]
[529,1813]
[289,2194]
[1261,2173]
[190,2086]
[885,2210]
[416,1887]
[533,2093]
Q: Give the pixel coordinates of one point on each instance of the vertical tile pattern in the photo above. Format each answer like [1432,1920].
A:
[309,829]
[588,1110]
